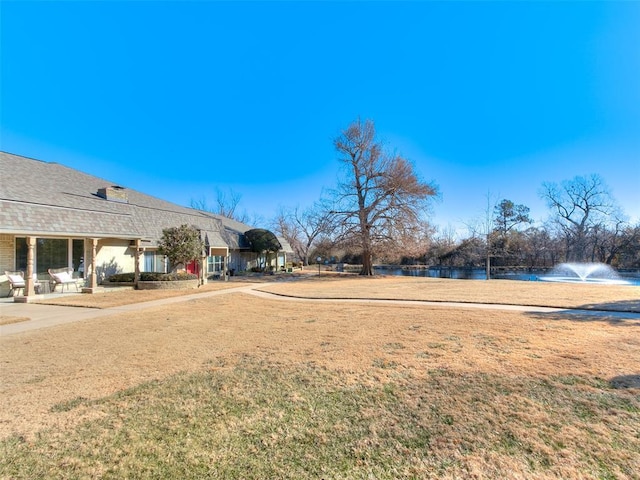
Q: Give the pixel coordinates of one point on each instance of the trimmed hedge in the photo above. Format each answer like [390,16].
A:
[152,277]
[121,278]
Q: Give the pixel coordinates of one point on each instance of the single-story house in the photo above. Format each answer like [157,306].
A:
[53,216]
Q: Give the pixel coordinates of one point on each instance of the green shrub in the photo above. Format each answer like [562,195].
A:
[166,277]
[122,277]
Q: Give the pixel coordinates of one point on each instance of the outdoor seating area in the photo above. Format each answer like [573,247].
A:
[62,276]
[16,282]
[18,285]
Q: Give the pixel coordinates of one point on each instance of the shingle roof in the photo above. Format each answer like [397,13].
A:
[41,198]
[286,246]
[232,231]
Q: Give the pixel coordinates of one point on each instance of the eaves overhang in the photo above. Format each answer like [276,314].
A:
[49,234]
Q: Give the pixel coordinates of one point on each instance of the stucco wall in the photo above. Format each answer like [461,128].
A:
[114,256]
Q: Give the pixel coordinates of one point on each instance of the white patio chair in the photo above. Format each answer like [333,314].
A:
[62,276]
[16,282]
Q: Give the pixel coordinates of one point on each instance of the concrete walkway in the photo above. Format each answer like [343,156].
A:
[42,316]
[485,306]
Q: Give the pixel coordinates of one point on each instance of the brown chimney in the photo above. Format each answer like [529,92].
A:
[114,193]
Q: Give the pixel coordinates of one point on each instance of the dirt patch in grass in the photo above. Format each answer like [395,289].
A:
[242,387]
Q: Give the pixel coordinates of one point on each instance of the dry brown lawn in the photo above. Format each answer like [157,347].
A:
[117,297]
[337,286]
[359,343]
[563,295]
[7,320]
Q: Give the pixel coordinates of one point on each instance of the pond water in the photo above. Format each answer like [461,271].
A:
[534,275]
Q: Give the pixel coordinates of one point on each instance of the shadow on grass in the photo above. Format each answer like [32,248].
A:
[618,306]
[625,381]
[620,313]
[612,317]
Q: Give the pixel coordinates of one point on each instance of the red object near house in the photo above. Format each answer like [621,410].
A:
[192,267]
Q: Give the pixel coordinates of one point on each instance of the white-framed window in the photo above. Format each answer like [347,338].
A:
[215,264]
[153,262]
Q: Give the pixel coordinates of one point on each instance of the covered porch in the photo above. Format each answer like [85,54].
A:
[35,256]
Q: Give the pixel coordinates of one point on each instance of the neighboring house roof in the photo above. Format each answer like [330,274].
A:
[232,231]
[41,198]
[234,234]
[286,247]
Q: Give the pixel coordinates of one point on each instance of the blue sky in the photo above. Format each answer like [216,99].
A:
[176,99]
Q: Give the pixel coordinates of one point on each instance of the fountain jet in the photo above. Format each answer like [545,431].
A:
[584,273]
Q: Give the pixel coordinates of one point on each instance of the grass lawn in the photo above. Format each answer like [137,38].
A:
[124,296]
[243,387]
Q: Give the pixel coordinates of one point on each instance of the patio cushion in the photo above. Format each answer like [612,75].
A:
[16,280]
[62,277]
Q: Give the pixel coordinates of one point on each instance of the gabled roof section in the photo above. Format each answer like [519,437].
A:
[232,230]
[286,246]
[40,198]
[49,198]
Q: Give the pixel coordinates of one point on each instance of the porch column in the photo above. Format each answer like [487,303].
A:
[30,289]
[94,275]
[227,271]
[136,266]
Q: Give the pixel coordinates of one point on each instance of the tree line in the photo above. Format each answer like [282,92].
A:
[379,212]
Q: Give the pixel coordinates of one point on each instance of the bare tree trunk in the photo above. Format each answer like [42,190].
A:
[488,266]
[488,260]
[367,263]
[367,255]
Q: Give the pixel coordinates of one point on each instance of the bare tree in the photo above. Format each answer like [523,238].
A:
[481,229]
[409,245]
[610,242]
[541,248]
[200,204]
[442,244]
[628,254]
[581,206]
[226,205]
[380,193]
[302,228]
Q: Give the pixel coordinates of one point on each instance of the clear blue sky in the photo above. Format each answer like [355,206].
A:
[177,98]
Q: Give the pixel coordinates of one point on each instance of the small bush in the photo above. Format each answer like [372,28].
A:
[122,277]
[166,277]
[152,277]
